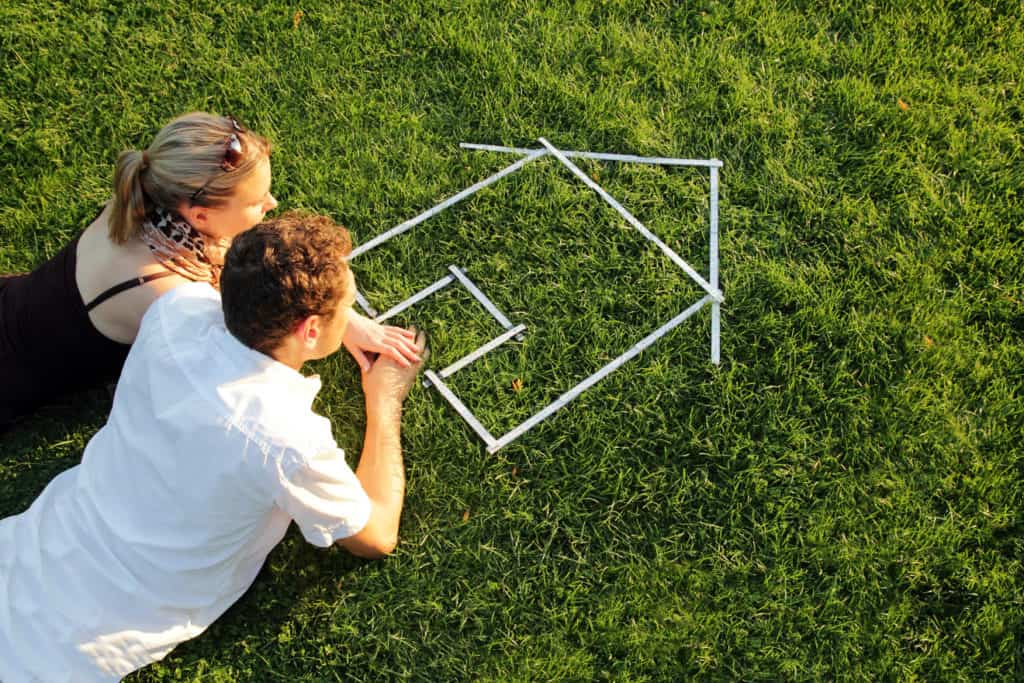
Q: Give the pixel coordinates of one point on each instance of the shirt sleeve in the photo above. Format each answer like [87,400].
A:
[322,494]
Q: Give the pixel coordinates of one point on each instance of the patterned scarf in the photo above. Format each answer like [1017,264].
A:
[182,249]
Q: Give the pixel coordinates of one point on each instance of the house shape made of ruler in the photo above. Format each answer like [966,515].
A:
[455,275]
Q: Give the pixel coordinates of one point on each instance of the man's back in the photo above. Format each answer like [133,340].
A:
[210,450]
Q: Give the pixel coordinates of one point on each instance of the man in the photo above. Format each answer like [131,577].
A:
[210,451]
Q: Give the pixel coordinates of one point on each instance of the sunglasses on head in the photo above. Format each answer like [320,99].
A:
[232,155]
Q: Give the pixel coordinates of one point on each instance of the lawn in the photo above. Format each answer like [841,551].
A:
[841,498]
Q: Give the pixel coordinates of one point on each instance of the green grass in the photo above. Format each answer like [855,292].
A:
[841,499]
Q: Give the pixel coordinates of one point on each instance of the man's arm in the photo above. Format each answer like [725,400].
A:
[382,474]
[381,470]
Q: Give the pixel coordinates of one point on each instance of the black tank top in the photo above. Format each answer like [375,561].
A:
[48,345]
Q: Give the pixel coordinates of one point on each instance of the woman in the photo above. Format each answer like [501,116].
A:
[176,207]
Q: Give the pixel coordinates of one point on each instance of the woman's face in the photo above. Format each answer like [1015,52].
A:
[245,208]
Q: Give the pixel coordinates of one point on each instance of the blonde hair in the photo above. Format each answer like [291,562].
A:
[185,155]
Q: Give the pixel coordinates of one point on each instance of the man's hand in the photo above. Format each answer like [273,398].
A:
[387,383]
[364,336]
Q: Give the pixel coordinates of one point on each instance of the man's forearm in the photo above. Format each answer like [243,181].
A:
[381,470]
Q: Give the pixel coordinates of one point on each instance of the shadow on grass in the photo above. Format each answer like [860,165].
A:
[39,446]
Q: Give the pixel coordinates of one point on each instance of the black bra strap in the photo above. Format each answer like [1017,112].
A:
[125,286]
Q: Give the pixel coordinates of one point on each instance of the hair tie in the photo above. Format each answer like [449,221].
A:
[145,159]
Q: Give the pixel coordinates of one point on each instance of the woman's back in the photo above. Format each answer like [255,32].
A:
[103,264]
[48,346]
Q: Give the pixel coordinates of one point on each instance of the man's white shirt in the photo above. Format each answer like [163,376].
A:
[211,449]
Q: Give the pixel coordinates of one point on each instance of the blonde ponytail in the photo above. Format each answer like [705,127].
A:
[129,197]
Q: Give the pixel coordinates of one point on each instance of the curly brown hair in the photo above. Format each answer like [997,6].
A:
[281,272]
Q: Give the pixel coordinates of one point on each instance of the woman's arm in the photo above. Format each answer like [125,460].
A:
[363,336]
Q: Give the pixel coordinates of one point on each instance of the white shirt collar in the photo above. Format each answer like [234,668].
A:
[303,389]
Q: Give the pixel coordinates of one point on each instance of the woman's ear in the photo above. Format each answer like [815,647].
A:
[197,216]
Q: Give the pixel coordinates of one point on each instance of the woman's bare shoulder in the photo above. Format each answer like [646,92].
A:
[119,317]
[102,264]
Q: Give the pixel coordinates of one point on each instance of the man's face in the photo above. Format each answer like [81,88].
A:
[333,330]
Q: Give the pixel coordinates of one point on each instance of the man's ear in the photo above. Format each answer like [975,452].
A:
[309,330]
